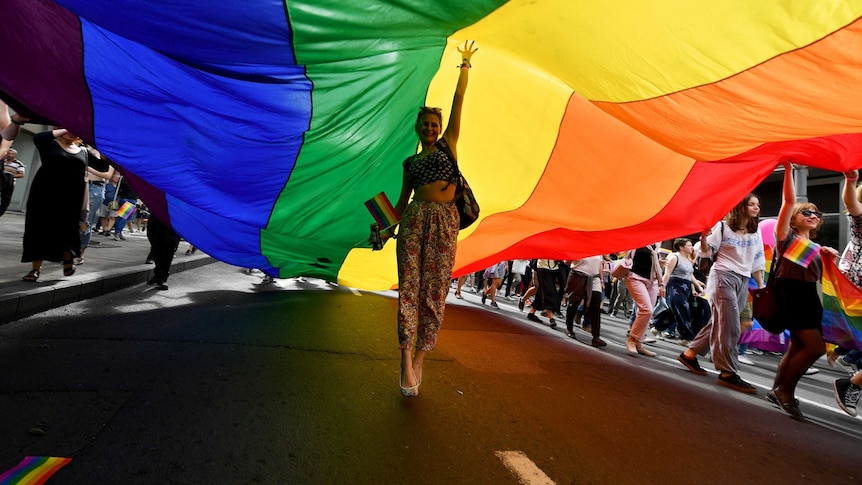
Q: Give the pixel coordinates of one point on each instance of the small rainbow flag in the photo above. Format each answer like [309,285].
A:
[842,307]
[126,210]
[801,251]
[382,211]
[33,470]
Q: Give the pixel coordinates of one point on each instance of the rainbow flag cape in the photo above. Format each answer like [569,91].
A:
[842,307]
[126,210]
[382,211]
[33,470]
[801,251]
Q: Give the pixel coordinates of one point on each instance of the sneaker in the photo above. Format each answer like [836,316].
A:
[521,304]
[811,371]
[122,238]
[841,364]
[149,261]
[552,323]
[847,395]
[77,261]
[745,360]
[533,318]
[494,304]
[733,381]
[116,237]
[484,297]
[649,340]
[654,331]
[753,351]
[691,364]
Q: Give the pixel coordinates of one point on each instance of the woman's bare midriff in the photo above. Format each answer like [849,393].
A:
[434,192]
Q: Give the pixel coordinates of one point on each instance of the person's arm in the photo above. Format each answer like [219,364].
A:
[782,225]
[848,195]
[669,266]
[10,131]
[404,197]
[758,278]
[453,127]
[59,132]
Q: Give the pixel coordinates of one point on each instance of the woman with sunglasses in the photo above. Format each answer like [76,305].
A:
[795,290]
[428,232]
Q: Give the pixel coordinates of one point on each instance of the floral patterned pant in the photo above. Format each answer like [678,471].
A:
[427,239]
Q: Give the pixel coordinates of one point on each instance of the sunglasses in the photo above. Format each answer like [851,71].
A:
[809,213]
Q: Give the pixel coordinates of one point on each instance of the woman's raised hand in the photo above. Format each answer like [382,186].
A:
[467,52]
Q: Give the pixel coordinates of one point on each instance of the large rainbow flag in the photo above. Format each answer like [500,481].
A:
[588,127]
[842,306]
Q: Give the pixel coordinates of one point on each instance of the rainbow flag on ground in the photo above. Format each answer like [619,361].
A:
[33,470]
[382,211]
[801,251]
[842,307]
[126,210]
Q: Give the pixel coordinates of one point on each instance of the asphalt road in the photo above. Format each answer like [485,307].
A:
[223,380]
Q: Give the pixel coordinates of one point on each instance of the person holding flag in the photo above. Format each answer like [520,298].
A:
[798,268]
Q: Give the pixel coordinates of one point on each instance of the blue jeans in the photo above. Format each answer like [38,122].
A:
[120,224]
[97,196]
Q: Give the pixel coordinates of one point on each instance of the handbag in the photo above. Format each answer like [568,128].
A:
[115,204]
[622,268]
[465,201]
[764,305]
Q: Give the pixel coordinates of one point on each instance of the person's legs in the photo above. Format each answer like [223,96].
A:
[731,292]
[436,261]
[806,346]
[97,196]
[643,293]
[594,314]
[495,283]
[163,245]
[460,283]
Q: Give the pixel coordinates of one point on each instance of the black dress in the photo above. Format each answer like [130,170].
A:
[51,226]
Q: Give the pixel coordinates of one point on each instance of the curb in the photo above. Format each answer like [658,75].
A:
[22,304]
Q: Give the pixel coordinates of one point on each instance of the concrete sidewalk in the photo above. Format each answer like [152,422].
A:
[108,266]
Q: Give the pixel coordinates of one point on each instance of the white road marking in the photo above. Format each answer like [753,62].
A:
[355,292]
[523,468]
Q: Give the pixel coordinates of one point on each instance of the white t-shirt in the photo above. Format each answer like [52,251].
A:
[591,266]
[519,266]
[738,253]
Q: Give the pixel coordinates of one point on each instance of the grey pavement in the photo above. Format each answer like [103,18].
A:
[108,266]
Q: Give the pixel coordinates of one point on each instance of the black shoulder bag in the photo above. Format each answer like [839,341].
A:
[764,305]
[468,208]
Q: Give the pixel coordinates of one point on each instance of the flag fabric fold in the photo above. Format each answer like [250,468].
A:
[842,307]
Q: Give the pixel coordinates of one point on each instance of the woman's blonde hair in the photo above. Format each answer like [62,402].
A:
[426,110]
[797,208]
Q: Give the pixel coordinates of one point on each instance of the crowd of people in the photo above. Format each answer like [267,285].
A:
[706,316]
[82,194]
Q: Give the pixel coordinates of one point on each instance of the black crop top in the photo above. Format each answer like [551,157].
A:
[430,168]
